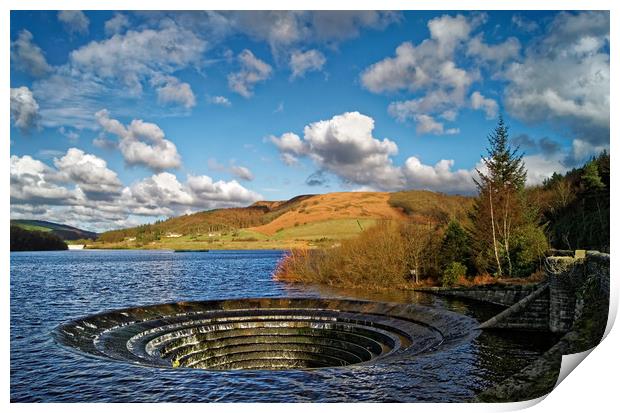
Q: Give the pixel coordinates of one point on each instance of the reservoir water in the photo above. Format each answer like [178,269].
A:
[50,288]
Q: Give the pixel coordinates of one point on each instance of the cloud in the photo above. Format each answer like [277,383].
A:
[141,143]
[544,145]
[137,55]
[66,192]
[414,109]
[308,61]
[24,108]
[346,24]
[498,53]
[171,90]
[32,182]
[541,167]
[524,141]
[439,177]
[89,172]
[103,143]
[71,135]
[253,71]
[548,146]
[582,150]
[427,124]
[118,69]
[27,56]
[163,190]
[242,172]
[564,77]
[488,105]
[317,178]
[345,147]
[279,108]
[74,21]
[428,69]
[220,100]
[116,24]
[283,30]
[523,23]
[207,192]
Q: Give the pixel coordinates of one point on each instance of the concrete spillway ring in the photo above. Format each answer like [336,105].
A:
[264,333]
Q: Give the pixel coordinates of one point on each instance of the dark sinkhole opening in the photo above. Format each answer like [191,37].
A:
[266,333]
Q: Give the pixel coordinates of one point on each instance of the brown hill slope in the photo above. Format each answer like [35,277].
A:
[335,205]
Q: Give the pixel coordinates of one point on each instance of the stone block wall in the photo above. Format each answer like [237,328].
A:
[565,275]
[504,295]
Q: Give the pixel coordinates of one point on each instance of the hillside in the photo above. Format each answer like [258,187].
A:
[305,220]
[29,240]
[333,206]
[65,232]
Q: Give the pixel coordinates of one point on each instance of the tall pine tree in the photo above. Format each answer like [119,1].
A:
[501,216]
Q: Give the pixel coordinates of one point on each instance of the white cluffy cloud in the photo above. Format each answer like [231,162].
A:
[119,69]
[253,70]
[498,53]
[141,143]
[430,71]
[66,191]
[139,55]
[24,108]
[488,105]
[199,192]
[74,21]
[27,56]
[344,145]
[172,90]
[308,61]
[89,172]
[32,182]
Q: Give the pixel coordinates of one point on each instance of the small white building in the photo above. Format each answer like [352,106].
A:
[173,235]
[76,246]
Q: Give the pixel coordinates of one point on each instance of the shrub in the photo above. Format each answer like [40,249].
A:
[529,249]
[381,256]
[452,273]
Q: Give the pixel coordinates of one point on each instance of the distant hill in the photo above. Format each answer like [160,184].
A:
[65,232]
[332,216]
[32,240]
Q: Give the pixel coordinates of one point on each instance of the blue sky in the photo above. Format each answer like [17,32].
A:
[119,118]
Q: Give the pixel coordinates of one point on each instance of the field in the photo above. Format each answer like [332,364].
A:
[31,227]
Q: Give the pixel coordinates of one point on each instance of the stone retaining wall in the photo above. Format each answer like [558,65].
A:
[584,331]
[504,295]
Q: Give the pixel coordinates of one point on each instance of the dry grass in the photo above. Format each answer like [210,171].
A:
[378,257]
[333,206]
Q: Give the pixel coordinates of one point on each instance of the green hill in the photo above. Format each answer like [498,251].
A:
[309,220]
[65,232]
[32,240]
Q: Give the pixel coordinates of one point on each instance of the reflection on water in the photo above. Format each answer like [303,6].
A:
[48,288]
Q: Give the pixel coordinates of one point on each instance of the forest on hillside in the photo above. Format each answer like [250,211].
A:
[25,240]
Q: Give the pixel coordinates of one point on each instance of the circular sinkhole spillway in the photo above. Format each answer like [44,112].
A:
[264,333]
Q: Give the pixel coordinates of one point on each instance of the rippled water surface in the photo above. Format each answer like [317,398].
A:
[48,288]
